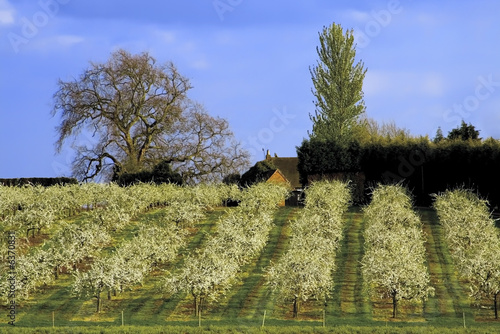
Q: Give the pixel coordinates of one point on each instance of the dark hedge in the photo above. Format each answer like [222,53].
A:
[42,181]
[424,167]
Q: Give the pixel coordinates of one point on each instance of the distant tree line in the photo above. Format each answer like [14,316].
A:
[41,181]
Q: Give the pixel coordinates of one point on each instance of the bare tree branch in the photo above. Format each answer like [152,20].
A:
[139,113]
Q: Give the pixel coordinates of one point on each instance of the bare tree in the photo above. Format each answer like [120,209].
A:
[138,113]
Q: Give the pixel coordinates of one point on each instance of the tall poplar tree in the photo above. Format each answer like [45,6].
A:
[338,84]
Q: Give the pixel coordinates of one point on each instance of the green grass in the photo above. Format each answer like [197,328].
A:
[292,329]
[348,301]
[148,308]
[245,302]
[450,302]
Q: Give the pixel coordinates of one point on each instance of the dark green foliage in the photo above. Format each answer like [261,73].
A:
[423,166]
[439,136]
[318,157]
[232,179]
[41,181]
[464,132]
[161,173]
[261,171]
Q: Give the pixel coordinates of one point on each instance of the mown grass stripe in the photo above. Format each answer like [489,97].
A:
[333,307]
[362,305]
[260,297]
[349,300]
[253,285]
[449,278]
[441,303]
[57,298]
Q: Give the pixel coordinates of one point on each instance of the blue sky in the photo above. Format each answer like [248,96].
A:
[430,64]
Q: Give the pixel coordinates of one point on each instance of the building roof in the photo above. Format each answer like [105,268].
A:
[287,167]
[265,169]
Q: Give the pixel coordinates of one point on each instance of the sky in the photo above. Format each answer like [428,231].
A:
[429,64]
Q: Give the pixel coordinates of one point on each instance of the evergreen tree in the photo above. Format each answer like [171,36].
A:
[439,136]
[464,132]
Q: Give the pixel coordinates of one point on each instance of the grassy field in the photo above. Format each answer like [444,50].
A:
[246,303]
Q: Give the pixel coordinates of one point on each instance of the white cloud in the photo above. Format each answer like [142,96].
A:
[68,40]
[357,16]
[433,84]
[428,84]
[225,38]
[57,42]
[6,13]
[187,48]
[167,37]
[200,64]
[428,20]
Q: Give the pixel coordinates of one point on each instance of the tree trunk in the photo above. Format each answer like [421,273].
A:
[394,305]
[496,305]
[295,308]
[109,294]
[32,229]
[56,272]
[99,302]
[195,304]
